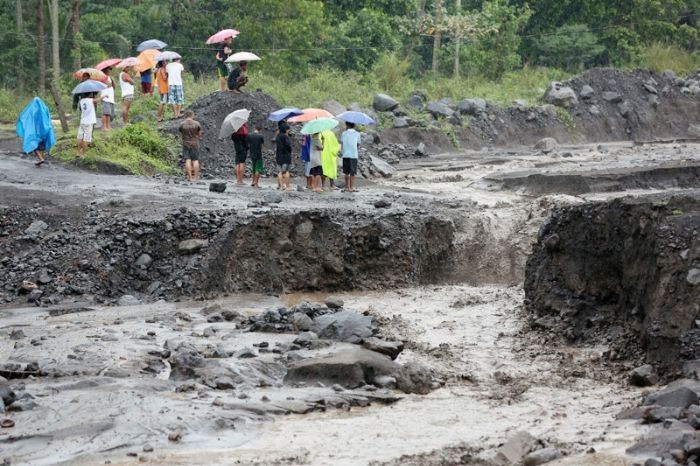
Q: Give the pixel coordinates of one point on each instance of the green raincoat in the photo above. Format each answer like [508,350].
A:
[331,149]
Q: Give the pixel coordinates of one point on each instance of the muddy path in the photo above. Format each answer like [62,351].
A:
[117,354]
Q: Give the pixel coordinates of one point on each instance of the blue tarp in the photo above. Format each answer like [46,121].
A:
[34,126]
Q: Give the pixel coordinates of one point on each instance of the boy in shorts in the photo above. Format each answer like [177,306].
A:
[256,142]
[284,159]
[190,134]
[87,122]
[348,143]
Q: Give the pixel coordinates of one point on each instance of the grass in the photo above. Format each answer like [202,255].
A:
[137,149]
[661,57]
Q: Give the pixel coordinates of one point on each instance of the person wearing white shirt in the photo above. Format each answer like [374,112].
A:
[176,95]
[107,97]
[126,83]
[87,121]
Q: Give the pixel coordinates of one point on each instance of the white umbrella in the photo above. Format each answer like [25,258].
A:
[242,56]
[130,61]
[233,122]
[167,55]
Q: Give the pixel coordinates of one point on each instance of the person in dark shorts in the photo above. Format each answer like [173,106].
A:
[190,134]
[315,162]
[240,145]
[284,159]
[348,143]
[222,53]
[238,77]
[255,142]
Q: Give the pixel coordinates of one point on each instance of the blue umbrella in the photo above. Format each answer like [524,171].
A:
[89,86]
[284,113]
[151,44]
[357,118]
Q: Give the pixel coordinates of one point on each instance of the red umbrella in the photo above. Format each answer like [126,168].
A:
[222,36]
[108,63]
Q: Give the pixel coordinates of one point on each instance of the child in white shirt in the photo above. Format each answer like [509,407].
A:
[87,121]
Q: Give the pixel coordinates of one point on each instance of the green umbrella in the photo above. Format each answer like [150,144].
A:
[318,125]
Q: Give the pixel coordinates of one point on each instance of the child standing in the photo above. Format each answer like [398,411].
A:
[107,97]
[87,122]
[255,142]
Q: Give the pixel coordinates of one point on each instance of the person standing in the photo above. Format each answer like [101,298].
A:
[222,54]
[176,95]
[284,159]
[315,161]
[162,83]
[348,143]
[146,82]
[240,145]
[107,98]
[256,142]
[87,122]
[190,134]
[331,149]
[76,97]
[305,157]
[238,77]
[126,84]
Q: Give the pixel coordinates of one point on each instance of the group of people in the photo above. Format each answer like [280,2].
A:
[233,78]
[319,154]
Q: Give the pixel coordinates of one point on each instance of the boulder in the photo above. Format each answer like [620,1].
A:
[355,368]
[347,326]
[193,245]
[382,203]
[587,92]
[560,95]
[217,187]
[515,448]
[389,348]
[381,166]
[301,322]
[272,198]
[36,228]
[305,338]
[612,97]
[384,103]
[416,102]
[650,88]
[471,106]
[421,150]
[674,396]
[144,260]
[334,302]
[624,108]
[643,376]
[333,106]
[546,145]
[660,414]
[542,456]
[400,122]
[128,300]
[439,109]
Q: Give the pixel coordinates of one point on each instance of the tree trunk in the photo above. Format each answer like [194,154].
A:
[55,41]
[458,39]
[75,31]
[59,106]
[19,20]
[41,45]
[420,14]
[438,34]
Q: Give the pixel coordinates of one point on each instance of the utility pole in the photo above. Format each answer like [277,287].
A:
[75,30]
[458,38]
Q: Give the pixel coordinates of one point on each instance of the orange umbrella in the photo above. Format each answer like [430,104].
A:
[95,74]
[311,114]
[147,60]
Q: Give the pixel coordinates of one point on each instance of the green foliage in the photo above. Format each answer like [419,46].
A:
[570,47]
[138,149]
[660,57]
[390,72]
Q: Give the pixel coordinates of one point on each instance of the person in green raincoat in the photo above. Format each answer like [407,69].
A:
[331,149]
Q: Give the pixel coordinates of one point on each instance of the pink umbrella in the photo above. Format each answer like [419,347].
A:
[310,114]
[221,36]
[130,61]
[109,63]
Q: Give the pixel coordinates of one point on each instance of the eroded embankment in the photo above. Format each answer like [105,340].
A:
[625,272]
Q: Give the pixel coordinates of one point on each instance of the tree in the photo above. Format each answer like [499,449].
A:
[41,43]
[458,39]
[75,31]
[437,32]
[570,47]
[55,41]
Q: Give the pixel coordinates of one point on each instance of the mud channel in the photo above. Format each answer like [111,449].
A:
[146,320]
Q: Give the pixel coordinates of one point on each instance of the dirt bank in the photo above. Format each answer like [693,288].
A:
[624,272]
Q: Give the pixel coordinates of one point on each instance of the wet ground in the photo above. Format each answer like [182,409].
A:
[110,394]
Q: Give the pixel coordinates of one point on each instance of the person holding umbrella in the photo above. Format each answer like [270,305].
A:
[107,97]
[162,83]
[222,54]
[126,84]
[238,77]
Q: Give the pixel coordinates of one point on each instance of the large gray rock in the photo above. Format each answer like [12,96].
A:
[612,97]
[416,102]
[347,326]
[190,246]
[587,92]
[389,348]
[542,456]
[355,368]
[36,228]
[643,376]
[471,106]
[381,166]
[515,449]
[128,300]
[560,95]
[333,106]
[400,122]
[546,145]
[439,109]
[144,260]
[693,277]
[301,322]
[678,396]
[384,103]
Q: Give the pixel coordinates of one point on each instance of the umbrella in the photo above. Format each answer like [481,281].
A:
[309,114]
[284,113]
[221,36]
[108,63]
[318,125]
[167,55]
[233,122]
[89,86]
[242,56]
[151,44]
[131,61]
[95,74]
[357,118]
[147,60]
